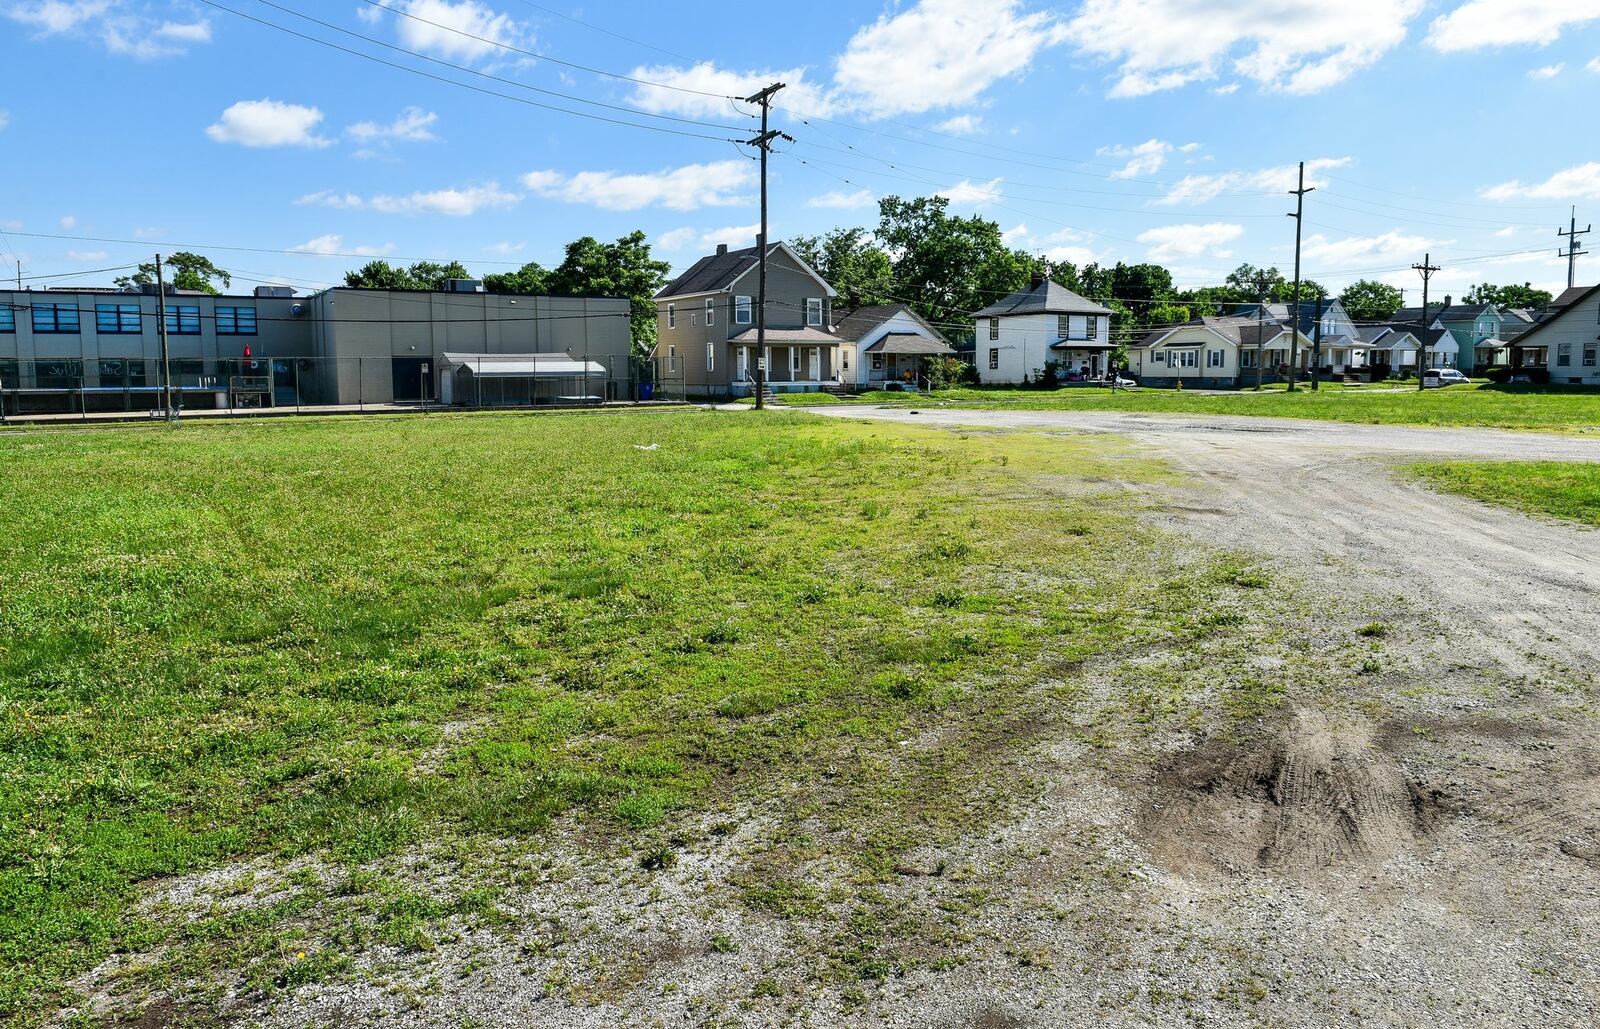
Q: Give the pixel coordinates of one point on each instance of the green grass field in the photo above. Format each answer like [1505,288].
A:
[1561,489]
[1551,409]
[341,638]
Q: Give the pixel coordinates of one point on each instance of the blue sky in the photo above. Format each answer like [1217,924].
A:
[1110,130]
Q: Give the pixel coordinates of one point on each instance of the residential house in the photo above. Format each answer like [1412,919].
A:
[706,326]
[1393,349]
[886,345]
[1213,352]
[1570,335]
[1044,324]
[1340,344]
[1475,329]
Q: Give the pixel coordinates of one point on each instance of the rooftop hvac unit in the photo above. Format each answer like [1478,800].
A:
[465,286]
[274,291]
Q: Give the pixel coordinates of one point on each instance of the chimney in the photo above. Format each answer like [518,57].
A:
[854,296]
[1447,300]
[722,249]
[1038,279]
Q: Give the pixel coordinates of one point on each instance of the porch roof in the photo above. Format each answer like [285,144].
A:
[1080,344]
[809,336]
[524,366]
[909,343]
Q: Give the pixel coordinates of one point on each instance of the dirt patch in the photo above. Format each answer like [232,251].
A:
[1306,797]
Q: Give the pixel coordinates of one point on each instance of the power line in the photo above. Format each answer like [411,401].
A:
[614,35]
[1572,252]
[453,82]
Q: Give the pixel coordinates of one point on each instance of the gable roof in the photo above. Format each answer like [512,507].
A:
[1572,298]
[910,343]
[857,323]
[717,273]
[1235,329]
[1453,313]
[1046,297]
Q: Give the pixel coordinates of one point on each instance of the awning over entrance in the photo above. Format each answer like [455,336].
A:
[524,366]
[788,337]
[1087,345]
[910,344]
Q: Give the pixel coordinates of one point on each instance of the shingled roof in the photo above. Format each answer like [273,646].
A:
[1044,297]
[853,325]
[722,269]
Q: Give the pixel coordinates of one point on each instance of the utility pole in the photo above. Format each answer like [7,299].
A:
[1261,284]
[166,357]
[1426,269]
[1316,346]
[1299,195]
[764,143]
[1572,253]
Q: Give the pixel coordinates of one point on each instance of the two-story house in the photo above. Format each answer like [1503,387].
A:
[1045,323]
[1475,328]
[706,326]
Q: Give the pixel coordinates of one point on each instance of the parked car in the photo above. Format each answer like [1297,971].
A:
[1438,378]
[1122,382]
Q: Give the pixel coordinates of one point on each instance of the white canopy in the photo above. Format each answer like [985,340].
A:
[524,366]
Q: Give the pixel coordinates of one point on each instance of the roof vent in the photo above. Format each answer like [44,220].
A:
[722,249]
[274,291]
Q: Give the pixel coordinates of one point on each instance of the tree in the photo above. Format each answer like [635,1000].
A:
[1310,289]
[947,266]
[423,275]
[1513,295]
[1213,301]
[1367,300]
[851,262]
[189,272]
[530,278]
[621,269]
[1252,282]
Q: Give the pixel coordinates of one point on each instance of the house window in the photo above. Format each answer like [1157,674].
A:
[994,328]
[711,312]
[845,355]
[672,357]
[1091,327]
[1186,358]
[813,311]
[236,321]
[1588,357]
[183,321]
[1214,358]
[994,359]
[672,316]
[877,362]
[117,319]
[55,318]
[1159,357]
[1247,359]
[711,355]
[1063,326]
[694,318]
[8,318]
[1564,355]
[741,310]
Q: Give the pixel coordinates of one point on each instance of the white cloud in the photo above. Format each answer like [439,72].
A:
[505,249]
[413,125]
[1593,66]
[1580,182]
[961,125]
[1227,90]
[185,32]
[69,222]
[268,123]
[122,31]
[677,239]
[330,198]
[1548,71]
[447,29]
[87,255]
[1174,241]
[148,232]
[333,245]
[1194,188]
[976,194]
[1507,232]
[718,184]
[735,236]
[799,97]
[1144,159]
[1389,248]
[839,200]
[1480,24]
[55,16]
[1064,245]
[1298,47]
[455,202]
[941,53]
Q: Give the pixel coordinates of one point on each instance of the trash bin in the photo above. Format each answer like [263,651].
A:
[647,390]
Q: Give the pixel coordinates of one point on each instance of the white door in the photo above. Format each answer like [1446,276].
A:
[744,363]
[816,364]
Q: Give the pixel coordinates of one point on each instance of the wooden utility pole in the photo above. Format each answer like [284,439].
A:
[764,143]
[1316,346]
[1261,284]
[166,356]
[1299,194]
[1572,252]
[1426,268]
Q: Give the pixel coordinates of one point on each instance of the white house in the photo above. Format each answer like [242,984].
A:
[1215,353]
[1567,342]
[1043,324]
[886,344]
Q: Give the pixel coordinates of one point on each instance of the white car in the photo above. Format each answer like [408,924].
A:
[1438,378]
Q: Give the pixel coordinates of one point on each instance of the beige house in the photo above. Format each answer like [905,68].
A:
[1213,353]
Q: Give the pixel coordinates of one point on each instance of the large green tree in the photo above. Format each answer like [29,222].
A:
[1367,300]
[851,262]
[621,269]
[189,272]
[1510,296]
[1255,283]
[530,278]
[422,275]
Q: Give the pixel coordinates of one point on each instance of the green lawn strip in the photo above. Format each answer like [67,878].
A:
[1563,489]
[1547,408]
[343,637]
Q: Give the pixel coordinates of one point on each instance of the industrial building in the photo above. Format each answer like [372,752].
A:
[99,350]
